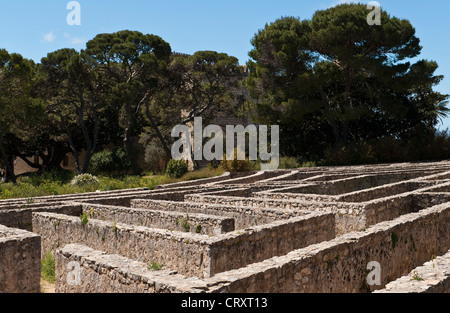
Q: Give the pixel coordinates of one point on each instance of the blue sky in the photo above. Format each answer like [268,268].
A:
[35,27]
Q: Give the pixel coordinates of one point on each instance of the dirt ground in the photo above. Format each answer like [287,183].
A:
[47,287]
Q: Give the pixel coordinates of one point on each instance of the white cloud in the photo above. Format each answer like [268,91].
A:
[74,40]
[77,41]
[50,37]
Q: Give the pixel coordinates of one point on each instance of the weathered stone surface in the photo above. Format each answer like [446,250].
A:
[303,230]
[432,277]
[20,262]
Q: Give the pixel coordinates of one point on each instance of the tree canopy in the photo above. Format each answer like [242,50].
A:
[337,75]
[332,83]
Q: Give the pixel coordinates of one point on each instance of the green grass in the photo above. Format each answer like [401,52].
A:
[48,268]
[84,219]
[49,184]
[155,266]
[416,276]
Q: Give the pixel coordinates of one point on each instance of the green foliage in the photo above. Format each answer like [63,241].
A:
[356,153]
[30,187]
[289,163]
[198,228]
[235,165]
[185,223]
[309,164]
[334,84]
[416,276]
[48,268]
[155,156]
[114,227]
[84,180]
[427,146]
[110,162]
[176,168]
[202,173]
[139,61]
[84,219]
[154,266]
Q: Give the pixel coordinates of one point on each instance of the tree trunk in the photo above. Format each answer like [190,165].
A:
[132,155]
[71,145]
[155,127]
[6,160]
[55,155]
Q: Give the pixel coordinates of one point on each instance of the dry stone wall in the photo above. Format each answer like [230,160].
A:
[20,261]
[301,230]
[432,277]
[179,221]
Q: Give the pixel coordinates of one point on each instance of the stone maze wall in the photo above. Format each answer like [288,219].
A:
[20,258]
[307,230]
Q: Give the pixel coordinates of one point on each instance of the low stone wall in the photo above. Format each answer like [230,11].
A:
[98,272]
[386,209]
[189,254]
[239,249]
[68,197]
[243,216]
[392,207]
[250,178]
[351,185]
[340,265]
[186,253]
[299,175]
[283,194]
[22,218]
[172,194]
[236,192]
[349,216]
[379,192]
[179,221]
[429,199]
[20,262]
[203,181]
[432,277]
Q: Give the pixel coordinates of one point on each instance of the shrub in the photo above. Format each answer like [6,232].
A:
[155,157]
[289,163]
[236,165]
[352,154]
[309,164]
[84,180]
[176,169]
[84,219]
[185,223]
[110,161]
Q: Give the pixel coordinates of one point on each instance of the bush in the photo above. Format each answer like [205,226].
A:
[309,164]
[58,176]
[352,154]
[236,165]
[289,163]
[110,161]
[84,180]
[155,157]
[176,169]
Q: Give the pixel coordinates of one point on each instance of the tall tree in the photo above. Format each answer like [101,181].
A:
[198,85]
[335,68]
[74,93]
[133,61]
[16,106]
